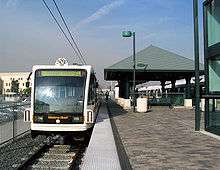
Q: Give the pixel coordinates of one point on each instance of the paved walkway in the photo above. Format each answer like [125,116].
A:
[165,139]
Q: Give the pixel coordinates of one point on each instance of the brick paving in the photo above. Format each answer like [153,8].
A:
[165,139]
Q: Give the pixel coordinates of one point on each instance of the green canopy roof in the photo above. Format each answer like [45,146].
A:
[156,59]
[153,64]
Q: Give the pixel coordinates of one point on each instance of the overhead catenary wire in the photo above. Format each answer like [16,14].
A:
[61,29]
[80,53]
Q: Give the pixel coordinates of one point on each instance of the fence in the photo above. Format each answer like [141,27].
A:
[11,120]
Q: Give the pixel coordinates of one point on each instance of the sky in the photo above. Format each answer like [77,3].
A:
[29,36]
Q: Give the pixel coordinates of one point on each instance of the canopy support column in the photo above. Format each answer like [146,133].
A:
[188,88]
[173,85]
[162,83]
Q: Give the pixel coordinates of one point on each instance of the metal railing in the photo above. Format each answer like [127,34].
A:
[11,120]
[163,99]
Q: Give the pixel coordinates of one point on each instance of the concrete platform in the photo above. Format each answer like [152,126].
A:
[101,153]
[164,139]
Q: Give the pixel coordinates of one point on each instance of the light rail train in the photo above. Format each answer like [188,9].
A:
[63,99]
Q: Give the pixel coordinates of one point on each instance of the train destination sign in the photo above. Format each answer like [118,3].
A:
[58,117]
[56,73]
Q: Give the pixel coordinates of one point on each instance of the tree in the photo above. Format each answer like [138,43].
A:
[15,86]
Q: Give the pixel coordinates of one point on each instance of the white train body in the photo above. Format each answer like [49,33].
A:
[63,99]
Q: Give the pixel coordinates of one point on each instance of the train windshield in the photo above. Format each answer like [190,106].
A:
[59,91]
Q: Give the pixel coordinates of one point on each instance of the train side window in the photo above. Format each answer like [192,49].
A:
[92,90]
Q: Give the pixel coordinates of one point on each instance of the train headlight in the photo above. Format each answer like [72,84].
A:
[77,119]
[38,119]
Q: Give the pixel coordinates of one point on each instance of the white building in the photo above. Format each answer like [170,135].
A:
[7,78]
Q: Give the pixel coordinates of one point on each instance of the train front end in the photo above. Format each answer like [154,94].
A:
[59,102]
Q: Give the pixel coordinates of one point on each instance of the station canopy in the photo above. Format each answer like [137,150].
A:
[153,64]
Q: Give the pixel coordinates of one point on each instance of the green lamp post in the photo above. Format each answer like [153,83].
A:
[132,34]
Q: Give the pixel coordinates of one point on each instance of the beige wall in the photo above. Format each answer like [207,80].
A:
[6,79]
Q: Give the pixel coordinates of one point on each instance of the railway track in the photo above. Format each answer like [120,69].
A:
[56,157]
[52,156]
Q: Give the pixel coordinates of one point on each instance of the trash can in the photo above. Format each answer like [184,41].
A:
[142,105]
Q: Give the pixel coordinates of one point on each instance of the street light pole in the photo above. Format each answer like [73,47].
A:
[129,34]
[196,52]
[134,72]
